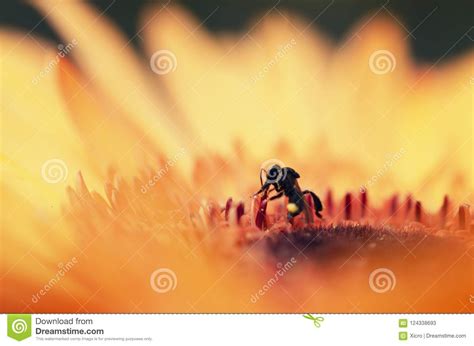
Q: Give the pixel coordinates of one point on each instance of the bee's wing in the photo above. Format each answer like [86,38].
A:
[297,187]
[292,172]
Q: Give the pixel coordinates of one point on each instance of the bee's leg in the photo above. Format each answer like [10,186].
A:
[302,205]
[318,206]
[264,188]
[276,196]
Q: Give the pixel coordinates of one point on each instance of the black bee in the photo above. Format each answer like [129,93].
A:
[284,181]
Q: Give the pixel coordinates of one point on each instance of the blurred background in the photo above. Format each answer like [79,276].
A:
[429,39]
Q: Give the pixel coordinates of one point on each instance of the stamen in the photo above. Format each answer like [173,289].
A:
[228,205]
[463,217]
[348,206]
[363,198]
[443,213]
[394,205]
[329,203]
[239,212]
[260,221]
[418,211]
[408,204]
[209,214]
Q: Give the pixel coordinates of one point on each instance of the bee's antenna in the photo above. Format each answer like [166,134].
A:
[261,184]
[266,173]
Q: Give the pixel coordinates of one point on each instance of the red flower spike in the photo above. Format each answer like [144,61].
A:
[310,203]
[463,217]
[329,203]
[239,212]
[228,205]
[348,206]
[260,221]
[408,203]
[443,213]
[418,211]
[309,200]
[363,199]
[394,205]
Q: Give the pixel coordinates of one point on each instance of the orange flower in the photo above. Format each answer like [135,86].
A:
[163,144]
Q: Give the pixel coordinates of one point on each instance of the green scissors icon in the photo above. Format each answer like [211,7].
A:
[316,320]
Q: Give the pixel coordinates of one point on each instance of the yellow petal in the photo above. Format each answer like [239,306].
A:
[106,57]
[40,150]
[248,87]
[110,137]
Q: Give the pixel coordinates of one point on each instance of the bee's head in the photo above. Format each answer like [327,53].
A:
[273,171]
[275,174]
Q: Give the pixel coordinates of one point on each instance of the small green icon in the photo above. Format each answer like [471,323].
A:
[403,336]
[19,326]
[403,323]
[316,320]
